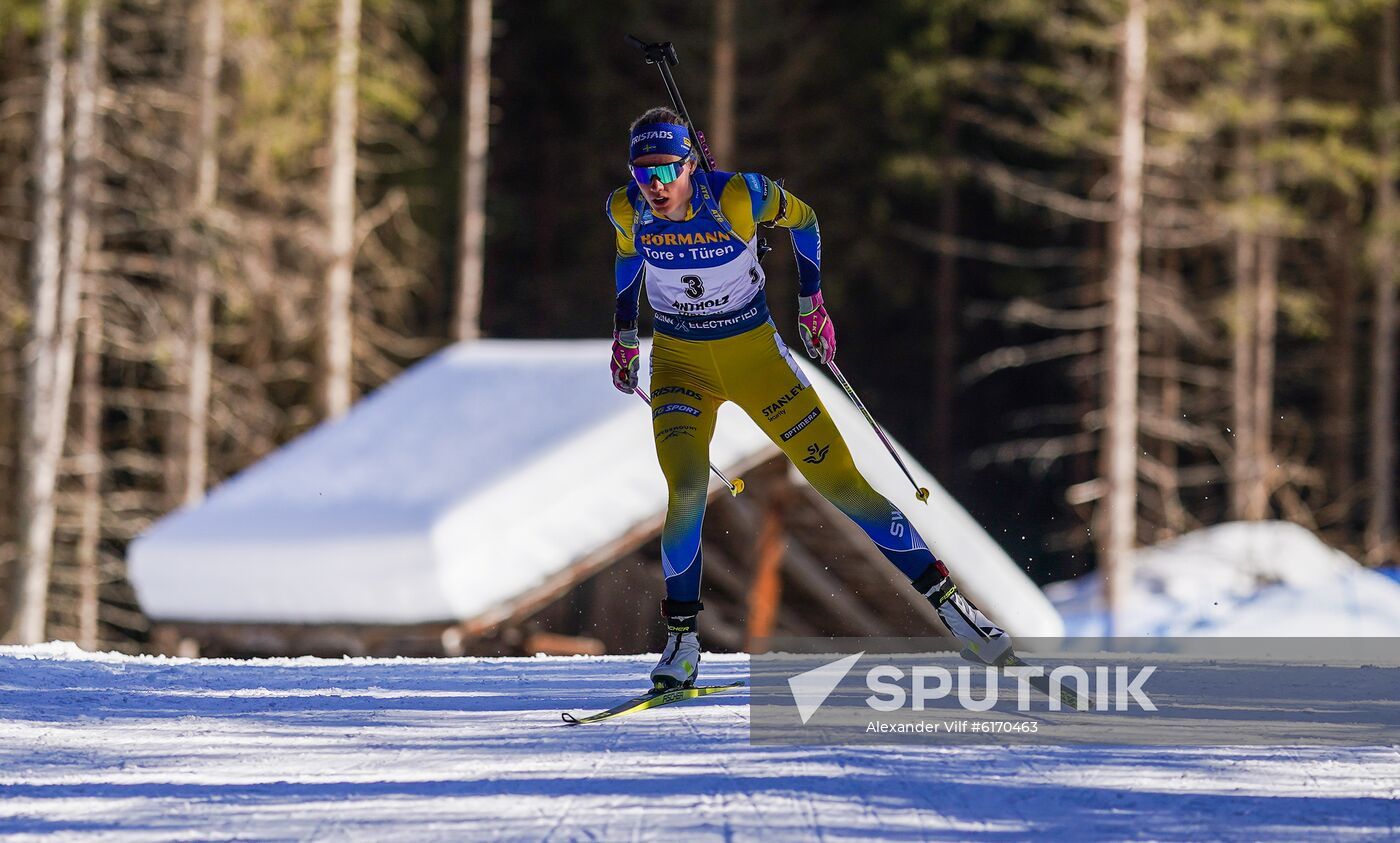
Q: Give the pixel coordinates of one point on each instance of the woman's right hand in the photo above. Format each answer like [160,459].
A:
[626,354]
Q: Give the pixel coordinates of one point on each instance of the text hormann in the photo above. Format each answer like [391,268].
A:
[684,238]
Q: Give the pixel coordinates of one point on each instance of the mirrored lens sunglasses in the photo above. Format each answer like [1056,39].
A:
[664,173]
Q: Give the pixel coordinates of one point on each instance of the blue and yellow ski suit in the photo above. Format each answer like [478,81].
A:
[715,342]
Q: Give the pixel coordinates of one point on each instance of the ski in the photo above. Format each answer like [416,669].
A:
[1042,684]
[651,699]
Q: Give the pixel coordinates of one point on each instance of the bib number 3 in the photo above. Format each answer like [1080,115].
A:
[694,286]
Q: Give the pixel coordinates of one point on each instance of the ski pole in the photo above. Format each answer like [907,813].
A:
[734,488]
[919,491]
[663,55]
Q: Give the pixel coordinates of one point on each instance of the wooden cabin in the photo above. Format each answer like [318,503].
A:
[501,498]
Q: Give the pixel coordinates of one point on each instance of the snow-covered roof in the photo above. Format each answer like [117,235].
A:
[474,477]
[1261,578]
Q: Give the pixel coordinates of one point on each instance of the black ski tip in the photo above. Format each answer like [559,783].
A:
[568,718]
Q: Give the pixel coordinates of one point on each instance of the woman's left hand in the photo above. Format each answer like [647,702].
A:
[814,325]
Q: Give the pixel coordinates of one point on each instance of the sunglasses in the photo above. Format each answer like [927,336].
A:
[664,173]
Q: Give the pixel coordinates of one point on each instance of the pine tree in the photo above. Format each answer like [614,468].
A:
[1121,428]
[207,58]
[720,131]
[1380,523]
[337,321]
[45,395]
[471,238]
[80,288]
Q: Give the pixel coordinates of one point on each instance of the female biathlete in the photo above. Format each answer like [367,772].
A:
[692,235]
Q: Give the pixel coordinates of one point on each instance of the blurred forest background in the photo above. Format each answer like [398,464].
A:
[1112,269]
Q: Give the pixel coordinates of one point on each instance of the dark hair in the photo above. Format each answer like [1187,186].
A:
[660,114]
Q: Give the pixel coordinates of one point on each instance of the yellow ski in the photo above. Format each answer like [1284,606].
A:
[651,699]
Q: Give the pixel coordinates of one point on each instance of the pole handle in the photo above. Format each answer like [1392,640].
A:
[663,55]
[655,52]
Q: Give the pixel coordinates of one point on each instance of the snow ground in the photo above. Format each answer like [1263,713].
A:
[108,747]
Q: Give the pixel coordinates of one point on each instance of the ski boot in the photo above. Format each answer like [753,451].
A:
[680,659]
[983,641]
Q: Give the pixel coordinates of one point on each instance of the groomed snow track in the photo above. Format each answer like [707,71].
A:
[107,747]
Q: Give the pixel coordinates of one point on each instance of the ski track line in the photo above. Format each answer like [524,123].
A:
[809,813]
[868,809]
[950,788]
[1025,759]
[602,756]
[746,794]
[877,820]
[721,795]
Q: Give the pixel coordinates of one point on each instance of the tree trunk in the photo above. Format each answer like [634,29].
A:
[471,234]
[1263,474]
[1242,463]
[721,135]
[1088,467]
[38,456]
[78,233]
[1339,425]
[1120,434]
[1167,450]
[199,257]
[1262,396]
[90,458]
[1380,521]
[945,316]
[78,290]
[336,317]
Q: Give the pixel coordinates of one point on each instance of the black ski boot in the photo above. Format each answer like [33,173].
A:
[983,641]
[680,660]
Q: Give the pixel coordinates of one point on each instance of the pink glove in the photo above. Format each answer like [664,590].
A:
[624,363]
[818,334]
